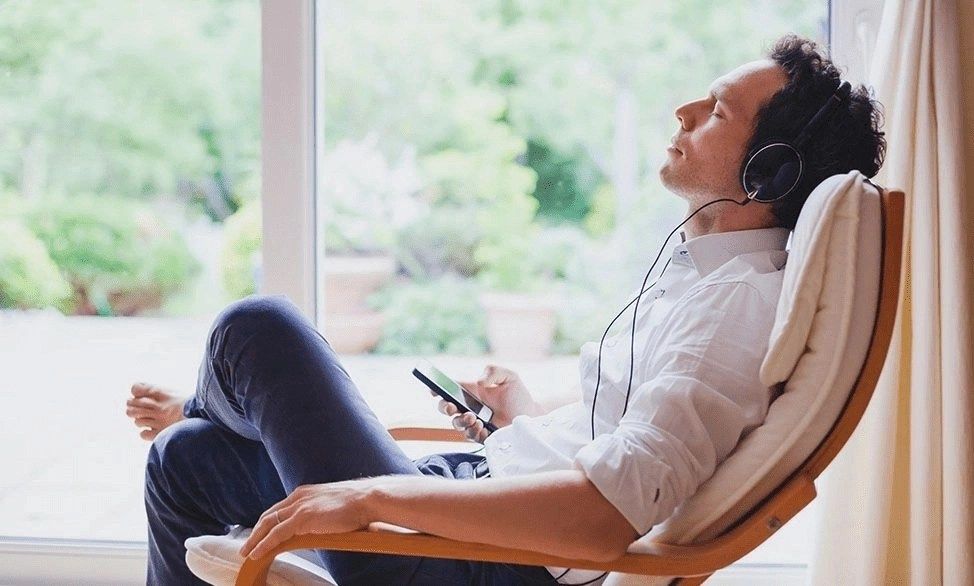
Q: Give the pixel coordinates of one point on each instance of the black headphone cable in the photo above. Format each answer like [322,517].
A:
[635,313]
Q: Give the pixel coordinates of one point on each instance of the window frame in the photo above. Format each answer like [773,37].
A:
[288,134]
[291,133]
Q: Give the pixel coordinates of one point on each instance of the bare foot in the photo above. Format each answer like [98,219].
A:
[153,408]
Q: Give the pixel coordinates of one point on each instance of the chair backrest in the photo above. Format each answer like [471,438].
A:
[830,382]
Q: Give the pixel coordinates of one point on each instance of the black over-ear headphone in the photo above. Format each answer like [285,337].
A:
[770,172]
[773,169]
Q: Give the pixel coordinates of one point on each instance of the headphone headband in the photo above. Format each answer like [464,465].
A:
[843,91]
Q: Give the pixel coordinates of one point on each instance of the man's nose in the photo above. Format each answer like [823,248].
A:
[683,115]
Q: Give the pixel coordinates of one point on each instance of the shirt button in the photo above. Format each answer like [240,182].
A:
[683,252]
[506,446]
[545,423]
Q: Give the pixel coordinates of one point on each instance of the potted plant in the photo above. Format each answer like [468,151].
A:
[366,201]
[522,274]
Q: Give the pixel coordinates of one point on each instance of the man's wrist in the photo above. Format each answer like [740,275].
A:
[374,498]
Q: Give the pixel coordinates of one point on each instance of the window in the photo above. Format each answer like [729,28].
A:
[129,215]
[426,116]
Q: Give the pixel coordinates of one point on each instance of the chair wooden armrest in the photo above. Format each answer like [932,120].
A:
[427,434]
[661,559]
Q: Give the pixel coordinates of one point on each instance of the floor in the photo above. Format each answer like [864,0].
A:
[73,463]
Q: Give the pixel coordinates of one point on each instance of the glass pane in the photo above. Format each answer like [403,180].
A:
[488,181]
[129,215]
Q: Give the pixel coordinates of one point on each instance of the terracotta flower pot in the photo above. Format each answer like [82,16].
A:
[351,327]
[519,325]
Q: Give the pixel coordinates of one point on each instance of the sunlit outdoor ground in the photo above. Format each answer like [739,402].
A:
[73,463]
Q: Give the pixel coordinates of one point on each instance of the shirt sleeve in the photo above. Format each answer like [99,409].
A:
[700,396]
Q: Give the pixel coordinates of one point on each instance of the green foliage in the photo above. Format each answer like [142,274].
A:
[141,98]
[601,220]
[479,167]
[28,276]
[454,130]
[112,251]
[482,180]
[367,199]
[431,317]
[241,256]
[442,242]
[565,184]
[532,261]
[505,250]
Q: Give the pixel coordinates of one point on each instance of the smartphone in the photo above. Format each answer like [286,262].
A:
[451,391]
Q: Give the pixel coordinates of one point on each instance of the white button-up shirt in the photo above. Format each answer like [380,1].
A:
[701,335]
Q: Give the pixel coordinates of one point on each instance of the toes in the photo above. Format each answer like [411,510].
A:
[135,412]
[145,390]
[145,422]
[143,403]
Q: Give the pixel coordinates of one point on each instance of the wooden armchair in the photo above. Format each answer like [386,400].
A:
[693,562]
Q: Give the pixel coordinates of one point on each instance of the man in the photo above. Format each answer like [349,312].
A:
[278,438]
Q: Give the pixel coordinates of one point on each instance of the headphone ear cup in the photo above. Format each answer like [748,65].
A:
[784,181]
[771,172]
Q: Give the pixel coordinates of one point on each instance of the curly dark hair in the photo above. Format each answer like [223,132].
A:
[849,139]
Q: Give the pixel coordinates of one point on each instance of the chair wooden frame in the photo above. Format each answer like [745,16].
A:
[695,562]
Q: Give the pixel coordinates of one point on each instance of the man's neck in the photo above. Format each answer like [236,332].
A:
[729,219]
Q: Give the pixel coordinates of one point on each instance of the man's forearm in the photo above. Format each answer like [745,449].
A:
[559,513]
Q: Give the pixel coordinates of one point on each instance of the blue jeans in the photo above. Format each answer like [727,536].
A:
[274,409]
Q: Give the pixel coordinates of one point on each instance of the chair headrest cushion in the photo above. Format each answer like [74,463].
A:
[829,216]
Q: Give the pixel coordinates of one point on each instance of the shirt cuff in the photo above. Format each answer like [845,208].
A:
[635,490]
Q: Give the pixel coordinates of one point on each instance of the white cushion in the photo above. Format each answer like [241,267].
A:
[823,326]
[215,559]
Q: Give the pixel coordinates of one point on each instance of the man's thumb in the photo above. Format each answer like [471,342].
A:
[469,386]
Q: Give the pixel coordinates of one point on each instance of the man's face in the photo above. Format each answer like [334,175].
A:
[704,160]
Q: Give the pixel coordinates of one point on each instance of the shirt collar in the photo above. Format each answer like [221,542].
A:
[710,251]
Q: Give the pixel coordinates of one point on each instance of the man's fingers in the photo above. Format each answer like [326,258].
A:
[278,535]
[474,430]
[286,503]
[463,421]
[458,424]
[492,373]
[267,521]
[447,408]
[272,534]
[468,424]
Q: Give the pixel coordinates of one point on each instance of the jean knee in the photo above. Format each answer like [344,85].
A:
[259,311]
[173,451]
[263,316]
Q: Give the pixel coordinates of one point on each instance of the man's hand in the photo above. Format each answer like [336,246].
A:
[500,389]
[312,508]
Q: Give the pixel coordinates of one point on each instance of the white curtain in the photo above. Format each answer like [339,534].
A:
[897,504]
